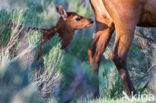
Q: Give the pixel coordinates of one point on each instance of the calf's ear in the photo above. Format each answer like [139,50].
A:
[62,12]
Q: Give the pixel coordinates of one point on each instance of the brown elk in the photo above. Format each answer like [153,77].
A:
[65,27]
[122,16]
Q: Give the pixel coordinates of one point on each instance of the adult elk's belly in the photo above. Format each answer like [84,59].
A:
[101,13]
[148,18]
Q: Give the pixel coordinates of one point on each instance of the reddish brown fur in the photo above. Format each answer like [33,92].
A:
[122,16]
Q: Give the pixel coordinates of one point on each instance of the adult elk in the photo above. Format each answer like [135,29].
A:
[122,16]
[65,27]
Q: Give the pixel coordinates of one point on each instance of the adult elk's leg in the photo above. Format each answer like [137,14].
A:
[119,52]
[125,16]
[99,43]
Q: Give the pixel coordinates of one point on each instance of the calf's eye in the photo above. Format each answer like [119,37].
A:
[78,18]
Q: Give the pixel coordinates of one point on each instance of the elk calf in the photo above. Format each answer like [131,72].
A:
[65,27]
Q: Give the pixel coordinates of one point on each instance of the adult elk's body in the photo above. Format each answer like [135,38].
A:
[122,16]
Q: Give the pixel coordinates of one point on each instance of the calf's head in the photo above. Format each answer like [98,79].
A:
[74,20]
